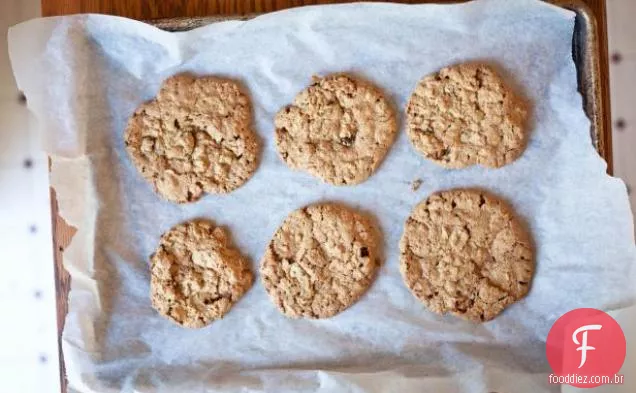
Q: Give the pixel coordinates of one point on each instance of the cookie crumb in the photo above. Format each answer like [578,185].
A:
[415,184]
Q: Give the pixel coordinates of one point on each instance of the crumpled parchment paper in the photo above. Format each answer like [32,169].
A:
[84,75]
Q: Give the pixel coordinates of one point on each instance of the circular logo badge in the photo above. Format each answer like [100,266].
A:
[586,348]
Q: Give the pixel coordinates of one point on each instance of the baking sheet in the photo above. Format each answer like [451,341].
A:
[84,75]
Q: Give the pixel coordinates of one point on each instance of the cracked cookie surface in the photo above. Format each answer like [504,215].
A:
[194,137]
[464,115]
[463,252]
[196,274]
[338,129]
[320,261]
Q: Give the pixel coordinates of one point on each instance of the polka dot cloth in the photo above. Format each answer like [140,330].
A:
[29,352]
[622,50]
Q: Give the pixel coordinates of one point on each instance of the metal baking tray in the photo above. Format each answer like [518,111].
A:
[585,51]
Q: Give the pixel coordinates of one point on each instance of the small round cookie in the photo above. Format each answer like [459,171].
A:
[194,137]
[464,115]
[463,252]
[338,129]
[320,261]
[196,274]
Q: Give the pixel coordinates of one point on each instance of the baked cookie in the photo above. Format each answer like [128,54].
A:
[338,129]
[196,274]
[464,115]
[464,252]
[320,261]
[194,137]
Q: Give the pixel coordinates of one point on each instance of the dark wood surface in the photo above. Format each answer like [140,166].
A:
[62,236]
[153,9]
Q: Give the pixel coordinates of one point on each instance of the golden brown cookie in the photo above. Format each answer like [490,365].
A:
[320,261]
[338,129]
[464,115]
[196,274]
[194,137]
[464,252]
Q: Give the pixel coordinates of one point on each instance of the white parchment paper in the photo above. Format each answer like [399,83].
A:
[84,75]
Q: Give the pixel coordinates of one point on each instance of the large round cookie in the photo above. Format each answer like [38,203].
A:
[196,274]
[338,129]
[464,115]
[194,137]
[320,261]
[464,252]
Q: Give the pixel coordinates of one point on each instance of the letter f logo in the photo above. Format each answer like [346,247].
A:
[583,344]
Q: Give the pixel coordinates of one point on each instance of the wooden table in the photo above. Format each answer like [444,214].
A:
[153,9]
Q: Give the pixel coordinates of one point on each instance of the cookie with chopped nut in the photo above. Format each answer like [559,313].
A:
[338,129]
[195,137]
[197,275]
[464,252]
[464,115]
[320,261]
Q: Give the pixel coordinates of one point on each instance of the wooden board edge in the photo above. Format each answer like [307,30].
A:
[62,236]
